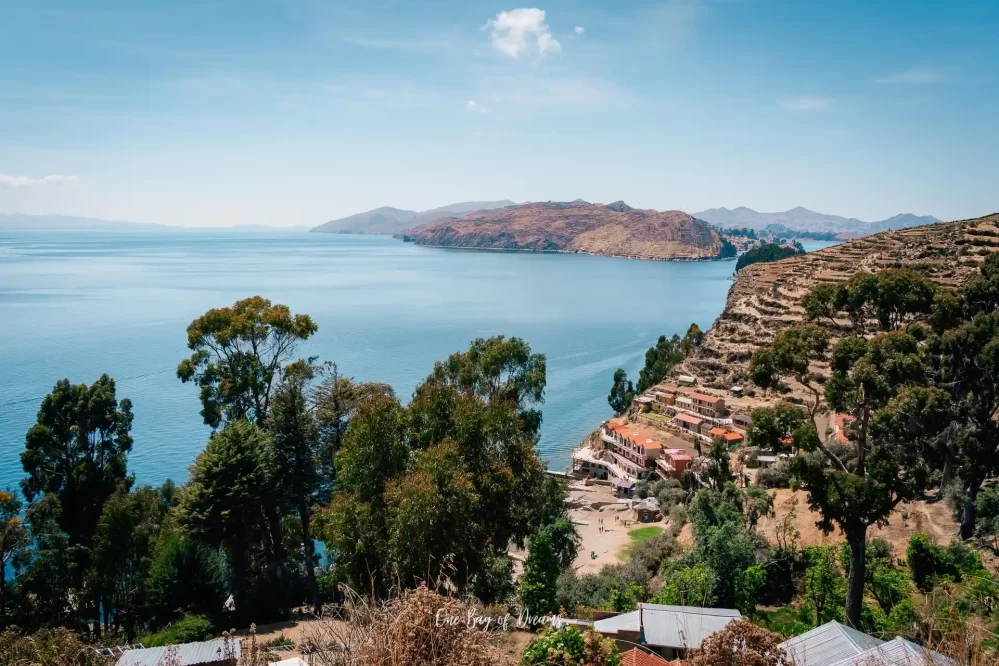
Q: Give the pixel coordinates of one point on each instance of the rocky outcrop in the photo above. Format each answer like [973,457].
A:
[616,230]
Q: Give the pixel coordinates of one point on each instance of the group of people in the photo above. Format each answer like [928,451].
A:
[600,523]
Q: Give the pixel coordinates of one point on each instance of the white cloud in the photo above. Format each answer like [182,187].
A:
[475,107]
[521,32]
[806,104]
[914,76]
[579,30]
[24,181]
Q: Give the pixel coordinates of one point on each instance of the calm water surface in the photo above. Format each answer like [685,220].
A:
[81,304]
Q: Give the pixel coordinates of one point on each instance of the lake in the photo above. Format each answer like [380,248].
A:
[75,305]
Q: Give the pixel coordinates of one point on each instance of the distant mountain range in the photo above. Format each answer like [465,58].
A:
[802,219]
[23,222]
[614,229]
[390,221]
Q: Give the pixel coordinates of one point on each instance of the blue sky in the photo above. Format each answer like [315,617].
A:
[294,112]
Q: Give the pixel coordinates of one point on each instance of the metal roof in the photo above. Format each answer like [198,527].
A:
[188,654]
[622,622]
[897,652]
[828,644]
[682,626]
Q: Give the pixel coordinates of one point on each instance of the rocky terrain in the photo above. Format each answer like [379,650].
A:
[615,229]
[765,297]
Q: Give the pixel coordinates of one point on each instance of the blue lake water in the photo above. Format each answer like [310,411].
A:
[76,305]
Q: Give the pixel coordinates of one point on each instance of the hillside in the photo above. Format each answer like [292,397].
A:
[803,219]
[765,297]
[615,229]
[389,221]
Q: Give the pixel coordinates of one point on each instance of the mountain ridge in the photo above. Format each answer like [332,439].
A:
[800,218]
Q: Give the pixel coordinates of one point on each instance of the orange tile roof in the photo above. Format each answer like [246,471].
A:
[706,398]
[687,418]
[635,657]
[732,437]
[718,432]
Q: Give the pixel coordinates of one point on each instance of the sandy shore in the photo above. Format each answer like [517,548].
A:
[591,505]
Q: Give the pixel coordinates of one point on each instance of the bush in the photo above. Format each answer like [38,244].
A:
[929,563]
[188,629]
[740,643]
[778,476]
[569,646]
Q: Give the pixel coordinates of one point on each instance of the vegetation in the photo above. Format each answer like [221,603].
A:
[570,646]
[622,392]
[435,491]
[766,252]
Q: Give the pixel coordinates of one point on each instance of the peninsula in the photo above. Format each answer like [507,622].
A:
[615,229]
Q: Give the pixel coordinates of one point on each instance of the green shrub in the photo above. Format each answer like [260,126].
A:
[188,629]
[569,646]
[929,563]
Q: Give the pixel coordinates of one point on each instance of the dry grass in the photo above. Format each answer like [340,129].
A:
[410,630]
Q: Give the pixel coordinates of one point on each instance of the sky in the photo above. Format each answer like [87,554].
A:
[295,112]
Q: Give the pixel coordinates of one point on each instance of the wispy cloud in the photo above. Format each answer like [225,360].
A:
[579,30]
[913,76]
[521,32]
[25,181]
[806,104]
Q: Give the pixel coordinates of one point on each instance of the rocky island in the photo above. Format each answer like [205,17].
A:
[615,229]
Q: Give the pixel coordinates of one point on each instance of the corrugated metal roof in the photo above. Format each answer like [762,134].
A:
[622,622]
[188,654]
[828,644]
[682,626]
[897,652]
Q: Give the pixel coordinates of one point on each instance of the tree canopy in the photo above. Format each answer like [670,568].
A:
[239,353]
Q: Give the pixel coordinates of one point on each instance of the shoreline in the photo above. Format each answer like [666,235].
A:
[467,248]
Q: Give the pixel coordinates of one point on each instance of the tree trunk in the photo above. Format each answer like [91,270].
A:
[944,475]
[237,567]
[968,514]
[857,539]
[305,512]
[273,526]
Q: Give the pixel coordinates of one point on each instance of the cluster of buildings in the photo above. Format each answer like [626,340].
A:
[660,439]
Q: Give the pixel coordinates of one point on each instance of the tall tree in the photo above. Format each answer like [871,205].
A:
[866,376]
[790,356]
[239,353]
[454,477]
[78,451]
[123,544]
[967,359]
[334,399]
[537,589]
[774,428]
[223,503]
[294,437]
[14,538]
[622,392]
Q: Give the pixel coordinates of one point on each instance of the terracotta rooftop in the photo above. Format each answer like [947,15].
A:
[687,418]
[635,657]
[706,398]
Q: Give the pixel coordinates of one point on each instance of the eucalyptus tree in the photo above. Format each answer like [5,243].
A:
[239,354]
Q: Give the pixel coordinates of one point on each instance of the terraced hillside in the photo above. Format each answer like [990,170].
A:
[765,298]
